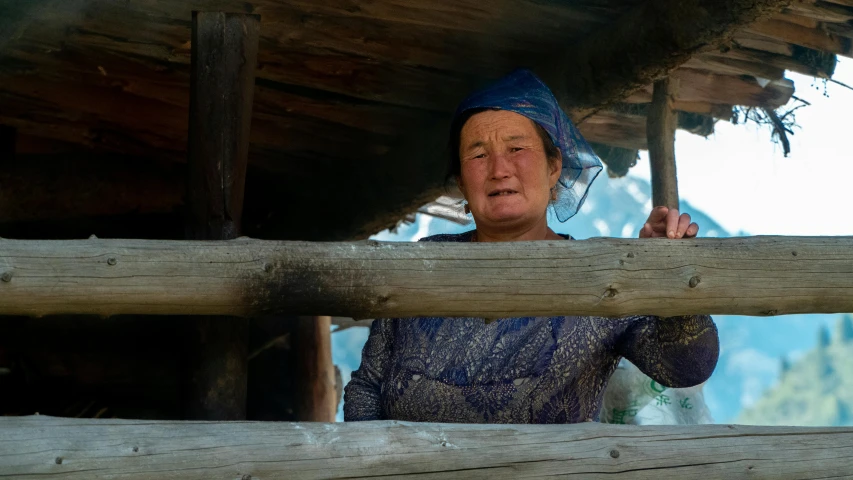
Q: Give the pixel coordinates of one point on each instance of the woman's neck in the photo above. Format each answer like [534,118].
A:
[539,231]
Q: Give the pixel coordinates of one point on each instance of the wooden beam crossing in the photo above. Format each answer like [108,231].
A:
[604,277]
[67,448]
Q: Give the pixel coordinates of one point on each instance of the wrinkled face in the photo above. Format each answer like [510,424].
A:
[505,174]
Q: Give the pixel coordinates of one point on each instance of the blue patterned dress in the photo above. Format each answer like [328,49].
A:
[518,370]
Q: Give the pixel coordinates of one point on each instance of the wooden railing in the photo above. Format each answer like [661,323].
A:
[605,277]
[59,448]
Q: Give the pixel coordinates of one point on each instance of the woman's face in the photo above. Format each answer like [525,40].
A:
[505,175]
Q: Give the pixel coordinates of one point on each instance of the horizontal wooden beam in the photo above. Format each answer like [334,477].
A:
[606,277]
[67,448]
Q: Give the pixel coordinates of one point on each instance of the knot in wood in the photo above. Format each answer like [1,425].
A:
[614,453]
[611,292]
[6,277]
[247,476]
[794,253]
[111,261]
[630,255]
[267,267]
[58,460]
[694,281]
[135,449]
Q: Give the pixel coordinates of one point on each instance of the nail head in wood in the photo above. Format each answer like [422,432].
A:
[6,277]
[694,281]
[111,261]
[58,460]
[614,453]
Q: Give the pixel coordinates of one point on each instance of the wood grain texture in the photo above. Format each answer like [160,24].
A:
[660,129]
[224,56]
[315,397]
[342,83]
[607,277]
[647,42]
[70,449]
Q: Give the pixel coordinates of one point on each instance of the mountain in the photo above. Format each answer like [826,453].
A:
[814,390]
[750,347]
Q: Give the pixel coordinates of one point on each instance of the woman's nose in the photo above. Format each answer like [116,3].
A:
[501,167]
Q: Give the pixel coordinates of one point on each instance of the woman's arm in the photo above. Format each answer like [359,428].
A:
[675,351]
[362,400]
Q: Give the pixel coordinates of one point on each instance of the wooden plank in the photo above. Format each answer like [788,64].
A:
[605,277]
[224,56]
[53,187]
[647,43]
[66,449]
[817,39]
[660,128]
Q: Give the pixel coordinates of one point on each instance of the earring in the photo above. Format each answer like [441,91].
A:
[466,208]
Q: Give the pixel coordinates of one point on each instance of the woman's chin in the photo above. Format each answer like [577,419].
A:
[500,216]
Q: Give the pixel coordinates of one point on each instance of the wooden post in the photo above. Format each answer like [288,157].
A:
[316,398]
[224,55]
[661,122]
[8,135]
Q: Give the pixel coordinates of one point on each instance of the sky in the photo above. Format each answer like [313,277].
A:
[744,182]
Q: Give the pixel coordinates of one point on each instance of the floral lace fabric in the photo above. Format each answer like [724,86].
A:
[518,370]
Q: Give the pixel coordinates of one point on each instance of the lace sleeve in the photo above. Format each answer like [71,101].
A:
[675,351]
[362,400]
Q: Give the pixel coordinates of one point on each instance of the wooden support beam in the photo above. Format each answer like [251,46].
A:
[224,55]
[604,277]
[661,122]
[314,373]
[67,448]
[647,43]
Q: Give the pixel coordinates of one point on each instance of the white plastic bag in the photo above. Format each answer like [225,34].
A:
[633,398]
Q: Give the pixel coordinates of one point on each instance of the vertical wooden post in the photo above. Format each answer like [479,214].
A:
[223,59]
[316,397]
[8,136]
[661,123]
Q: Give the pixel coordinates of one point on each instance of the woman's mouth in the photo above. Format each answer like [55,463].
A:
[502,192]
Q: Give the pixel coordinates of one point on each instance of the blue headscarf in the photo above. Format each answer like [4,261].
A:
[524,93]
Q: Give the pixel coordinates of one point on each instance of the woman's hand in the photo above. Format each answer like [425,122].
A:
[665,222]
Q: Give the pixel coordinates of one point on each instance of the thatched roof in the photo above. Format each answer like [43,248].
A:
[351,102]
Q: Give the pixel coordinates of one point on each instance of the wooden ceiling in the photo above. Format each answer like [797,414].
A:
[346,93]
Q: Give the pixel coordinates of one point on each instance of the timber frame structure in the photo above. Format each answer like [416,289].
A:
[169,129]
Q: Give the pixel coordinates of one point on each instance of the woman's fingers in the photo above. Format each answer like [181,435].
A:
[672,223]
[658,215]
[683,224]
[666,222]
[692,231]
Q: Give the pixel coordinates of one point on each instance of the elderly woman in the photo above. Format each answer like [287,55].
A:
[514,153]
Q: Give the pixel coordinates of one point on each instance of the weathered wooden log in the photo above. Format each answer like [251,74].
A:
[607,277]
[661,122]
[59,448]
[224,55]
